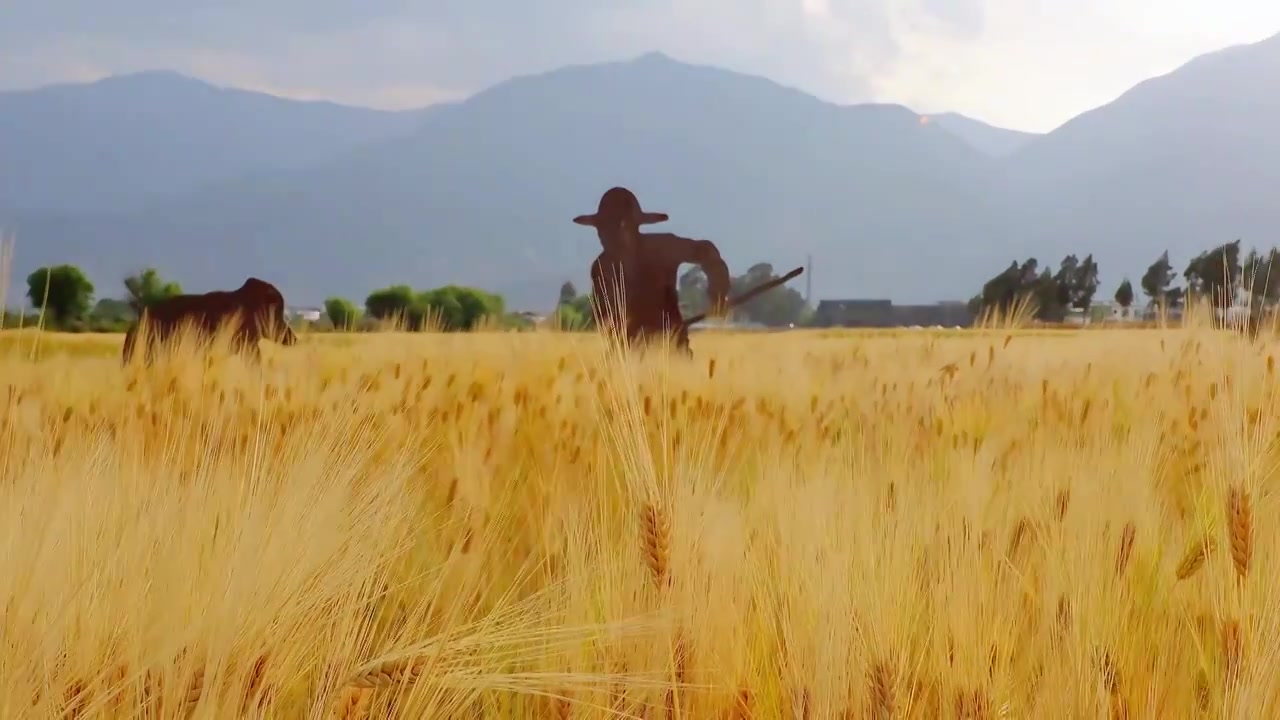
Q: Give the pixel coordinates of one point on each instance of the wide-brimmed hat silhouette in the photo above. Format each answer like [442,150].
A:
[616,204]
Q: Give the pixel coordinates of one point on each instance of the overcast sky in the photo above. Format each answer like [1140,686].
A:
[1026,64]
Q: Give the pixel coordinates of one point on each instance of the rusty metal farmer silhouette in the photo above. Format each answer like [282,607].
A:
[647,266]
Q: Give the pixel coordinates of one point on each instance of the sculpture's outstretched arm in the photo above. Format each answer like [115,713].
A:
[703,253]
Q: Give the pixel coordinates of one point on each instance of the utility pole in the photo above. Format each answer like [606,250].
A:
[808,281]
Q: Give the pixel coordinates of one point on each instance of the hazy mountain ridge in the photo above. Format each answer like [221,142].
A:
[382,213]
[887,205]
[1184,161]
[117,143]
[989,139]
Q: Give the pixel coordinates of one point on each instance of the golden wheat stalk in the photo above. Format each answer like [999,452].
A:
[880,691]
[743,705]
[1232,650]
[656,542]
[1064,616]
[1127,537]
[674,697]
[353,703]
[1061,502]
[1109,671]
[253,688]
[391,672]
[1195,557]
[561,709]
[1202,691]
[973,705]
[1119,707]
[1240,525]
[1020,533]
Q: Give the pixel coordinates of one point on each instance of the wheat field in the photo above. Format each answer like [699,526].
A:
[960,524]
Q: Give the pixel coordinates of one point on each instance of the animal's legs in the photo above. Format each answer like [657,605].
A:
[130,339]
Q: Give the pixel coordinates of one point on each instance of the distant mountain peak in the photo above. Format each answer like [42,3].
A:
[655,56]
[171,78]
[153,74]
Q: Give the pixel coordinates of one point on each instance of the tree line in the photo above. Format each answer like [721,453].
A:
[1218,276]
[65,295]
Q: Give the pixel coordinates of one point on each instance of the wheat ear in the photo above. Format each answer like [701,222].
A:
[1127,537]
[743,705]
[1020,533]
[656,539]
[1195,557]
[880,691]
[353,704]
[1232,650]
[391,672]
[1240,523]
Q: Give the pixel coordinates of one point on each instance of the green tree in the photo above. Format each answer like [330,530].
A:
[1260,274]
[495,305]
[1049,290]
[442,306]
[111,315]
[147,287]
[691,289]
[1073,285]
[1124,294]
[1065,282]
[1002,292]
[62,292]
[1157,283]
[1076,283]
[341,312]
[389,302]
[1216,275]
[1084,285]
[459,308]
[583,313]
[112,309]
[1267,282]
[776,307]
[569,314]
[570,317]
[567,293]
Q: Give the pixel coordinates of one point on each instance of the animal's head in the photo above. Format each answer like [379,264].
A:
[263,305]
[618,218]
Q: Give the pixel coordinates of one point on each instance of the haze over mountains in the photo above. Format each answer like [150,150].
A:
[991,140]
[116,143]
[212,185]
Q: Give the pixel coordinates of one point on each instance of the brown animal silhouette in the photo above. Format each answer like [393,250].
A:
[257,306]
[634,279]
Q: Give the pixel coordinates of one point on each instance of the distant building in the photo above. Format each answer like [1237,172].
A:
[853,313]
[1075,316]
[310,314]
[883,313]
[721,324]
[1117,313]
[1172,314]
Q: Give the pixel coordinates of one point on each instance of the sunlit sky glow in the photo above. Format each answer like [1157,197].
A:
[1025,64]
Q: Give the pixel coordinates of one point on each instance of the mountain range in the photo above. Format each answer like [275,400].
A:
[213,184]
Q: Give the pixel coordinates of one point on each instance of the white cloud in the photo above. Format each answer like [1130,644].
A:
[1036,65]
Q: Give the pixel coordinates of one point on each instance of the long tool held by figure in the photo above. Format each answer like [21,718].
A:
[762,287]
